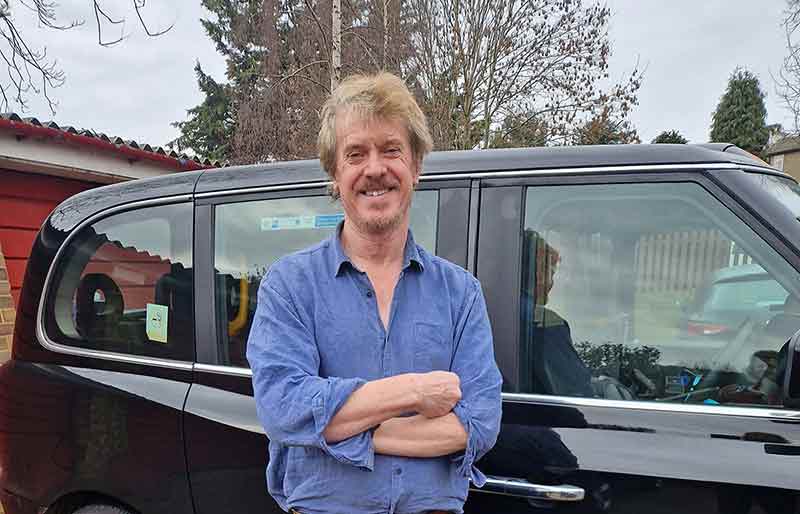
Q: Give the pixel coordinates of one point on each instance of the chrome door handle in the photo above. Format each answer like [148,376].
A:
[525,489]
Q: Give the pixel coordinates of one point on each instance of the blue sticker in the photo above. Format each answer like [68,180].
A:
[327,220]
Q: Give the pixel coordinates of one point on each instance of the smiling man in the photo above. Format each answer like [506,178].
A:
[373,368]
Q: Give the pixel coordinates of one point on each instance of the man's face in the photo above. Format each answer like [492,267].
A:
[375,172]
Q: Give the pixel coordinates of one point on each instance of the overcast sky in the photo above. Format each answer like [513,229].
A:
[137,88]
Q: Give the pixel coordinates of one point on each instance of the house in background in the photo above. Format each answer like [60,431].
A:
[41,164]
[784,154]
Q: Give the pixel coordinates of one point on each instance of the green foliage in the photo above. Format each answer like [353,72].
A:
[209,129]
[210,126]
[617,359]
[605,128]
[670,137]
[521,130]
[740,117]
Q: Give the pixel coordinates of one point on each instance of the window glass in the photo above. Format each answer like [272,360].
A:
[651,292]
[250,236]
[124,285]
[784,191]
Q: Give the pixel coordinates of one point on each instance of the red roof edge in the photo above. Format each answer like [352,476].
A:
[27,129]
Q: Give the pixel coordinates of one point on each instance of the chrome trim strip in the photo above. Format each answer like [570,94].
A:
[51,345]
[524,489]
[751,412]
[585,402]
[433,175]
[224,370]
[597,169]
[263,189]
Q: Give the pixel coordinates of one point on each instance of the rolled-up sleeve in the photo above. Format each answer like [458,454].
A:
[480,407]
[295,404]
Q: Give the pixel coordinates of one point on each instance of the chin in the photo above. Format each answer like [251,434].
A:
[381,224]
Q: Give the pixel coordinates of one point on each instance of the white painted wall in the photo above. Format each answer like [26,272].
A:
[51,157]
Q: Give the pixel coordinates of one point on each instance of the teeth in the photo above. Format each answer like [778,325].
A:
[375,193]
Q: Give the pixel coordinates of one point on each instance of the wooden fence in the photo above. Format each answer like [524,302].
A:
[681,261]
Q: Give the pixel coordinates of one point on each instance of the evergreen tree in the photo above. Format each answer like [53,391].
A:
[670,136]
[605,128]
[740,117]
[210,126]
[519,131]
[209,129]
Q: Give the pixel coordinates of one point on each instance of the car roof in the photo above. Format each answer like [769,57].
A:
[740,272]
[451,164]
[465,162]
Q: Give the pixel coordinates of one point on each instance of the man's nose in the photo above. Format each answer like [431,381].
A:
[375,165]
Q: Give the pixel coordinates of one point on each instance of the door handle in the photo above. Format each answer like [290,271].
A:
[525,489]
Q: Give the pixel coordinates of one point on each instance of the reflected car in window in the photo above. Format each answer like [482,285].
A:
[732,296]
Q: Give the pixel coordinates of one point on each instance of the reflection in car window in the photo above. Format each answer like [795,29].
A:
[784,190]
[647,292]
[124,285]
[250,236]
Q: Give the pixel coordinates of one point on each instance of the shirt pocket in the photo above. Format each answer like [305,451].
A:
[433,347]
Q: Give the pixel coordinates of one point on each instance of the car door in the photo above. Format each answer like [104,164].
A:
[239,236]
[609,405]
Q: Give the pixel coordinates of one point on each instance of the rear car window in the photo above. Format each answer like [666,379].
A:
[124,285]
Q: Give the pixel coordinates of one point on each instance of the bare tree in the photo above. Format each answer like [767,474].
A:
[277,118]
[30,71]
[476,62]
[336,43]
[788,80]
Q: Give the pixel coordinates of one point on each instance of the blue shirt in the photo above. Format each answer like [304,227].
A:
[317,336]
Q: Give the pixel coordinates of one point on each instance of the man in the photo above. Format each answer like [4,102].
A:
[556,367]
[372,360]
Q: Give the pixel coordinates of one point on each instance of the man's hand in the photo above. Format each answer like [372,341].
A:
[437,392]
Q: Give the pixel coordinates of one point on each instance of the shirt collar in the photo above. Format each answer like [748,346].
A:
[339,258]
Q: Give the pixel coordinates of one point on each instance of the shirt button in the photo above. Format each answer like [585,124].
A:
[369,294]
[398,472]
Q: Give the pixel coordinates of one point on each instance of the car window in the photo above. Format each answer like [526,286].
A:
[124,285]
[651,292]
[250,236]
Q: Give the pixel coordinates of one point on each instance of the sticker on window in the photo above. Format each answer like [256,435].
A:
[156,325]
[301,222]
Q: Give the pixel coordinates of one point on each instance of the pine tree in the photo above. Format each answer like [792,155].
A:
[210,126]
[670,136]
[209,129]
[740,117]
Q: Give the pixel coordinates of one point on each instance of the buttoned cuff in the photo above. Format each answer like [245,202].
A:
[466,460]
[357,450]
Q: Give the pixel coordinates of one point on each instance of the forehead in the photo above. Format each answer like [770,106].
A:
[353,128]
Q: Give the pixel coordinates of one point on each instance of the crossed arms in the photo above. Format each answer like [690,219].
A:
[433,432]
[457,413]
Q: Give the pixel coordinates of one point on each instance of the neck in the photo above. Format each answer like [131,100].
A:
[367,249]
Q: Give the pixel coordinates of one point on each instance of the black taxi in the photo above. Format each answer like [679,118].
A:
[128,390]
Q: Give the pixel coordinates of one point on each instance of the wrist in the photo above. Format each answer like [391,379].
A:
[415,391]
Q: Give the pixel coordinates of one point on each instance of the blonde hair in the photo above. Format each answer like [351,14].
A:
[382,96]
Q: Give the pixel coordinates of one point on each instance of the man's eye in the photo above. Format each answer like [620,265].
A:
[393,150]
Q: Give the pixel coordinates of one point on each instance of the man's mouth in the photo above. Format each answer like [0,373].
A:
[375,192]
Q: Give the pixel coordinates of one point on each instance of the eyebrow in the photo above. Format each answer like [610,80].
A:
[352,146]
[393,141]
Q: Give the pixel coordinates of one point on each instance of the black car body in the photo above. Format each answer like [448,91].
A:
[128,384]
